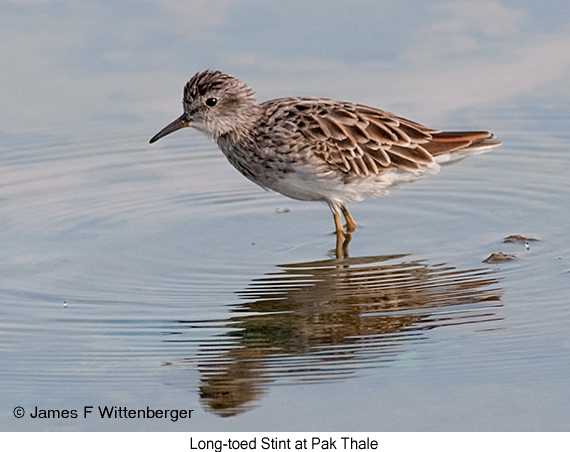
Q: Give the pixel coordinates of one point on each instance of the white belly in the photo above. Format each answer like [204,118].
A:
[331,187]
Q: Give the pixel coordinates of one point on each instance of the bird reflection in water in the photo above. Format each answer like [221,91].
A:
[323,321]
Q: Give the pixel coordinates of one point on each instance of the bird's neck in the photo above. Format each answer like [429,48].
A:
[243,127]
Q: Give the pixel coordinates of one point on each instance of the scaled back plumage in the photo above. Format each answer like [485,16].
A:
[364,141]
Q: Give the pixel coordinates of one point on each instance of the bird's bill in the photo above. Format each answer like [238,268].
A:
[178,123]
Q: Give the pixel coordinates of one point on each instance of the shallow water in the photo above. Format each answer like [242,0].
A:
[157,276]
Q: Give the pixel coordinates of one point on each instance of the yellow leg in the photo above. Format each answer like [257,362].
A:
[342,237]
[338,222]
[350,223]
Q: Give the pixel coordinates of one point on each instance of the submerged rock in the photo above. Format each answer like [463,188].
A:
[495,258]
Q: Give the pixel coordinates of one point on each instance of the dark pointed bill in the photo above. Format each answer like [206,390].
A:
[178,123]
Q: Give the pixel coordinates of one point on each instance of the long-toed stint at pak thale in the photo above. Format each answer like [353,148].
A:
[317,149]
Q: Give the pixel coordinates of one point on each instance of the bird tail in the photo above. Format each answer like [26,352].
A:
[452,142]
[451,146]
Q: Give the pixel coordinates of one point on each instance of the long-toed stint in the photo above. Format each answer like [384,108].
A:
[316,149]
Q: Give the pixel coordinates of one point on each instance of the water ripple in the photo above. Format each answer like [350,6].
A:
[107,182]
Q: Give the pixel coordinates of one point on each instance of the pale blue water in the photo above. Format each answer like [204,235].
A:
[136,275]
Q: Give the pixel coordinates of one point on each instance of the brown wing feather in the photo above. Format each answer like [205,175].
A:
[362,141]
[366,141]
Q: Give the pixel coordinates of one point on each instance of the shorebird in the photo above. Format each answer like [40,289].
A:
[317,149]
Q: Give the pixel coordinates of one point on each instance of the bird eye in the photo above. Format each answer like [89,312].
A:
[210,102]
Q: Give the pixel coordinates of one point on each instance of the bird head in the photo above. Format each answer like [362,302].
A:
[217,104]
